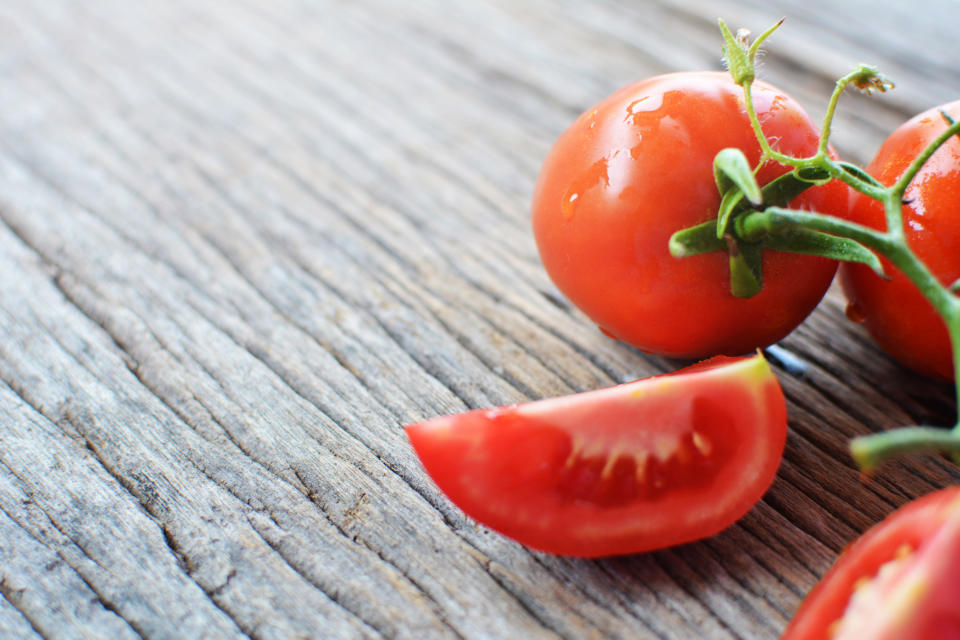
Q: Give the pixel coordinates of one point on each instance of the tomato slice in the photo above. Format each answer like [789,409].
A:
[899,581]
[630,468]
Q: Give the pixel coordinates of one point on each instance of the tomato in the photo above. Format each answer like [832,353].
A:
[899,581]
[895,313]
[638,167]
[630,468]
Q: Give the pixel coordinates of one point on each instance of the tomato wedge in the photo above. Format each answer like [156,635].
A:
[899,581]
[630,468]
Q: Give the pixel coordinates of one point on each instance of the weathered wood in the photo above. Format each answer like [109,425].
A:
[243,243]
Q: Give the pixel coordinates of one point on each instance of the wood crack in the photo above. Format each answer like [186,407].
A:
[13,596]
[681,584]
[302,571]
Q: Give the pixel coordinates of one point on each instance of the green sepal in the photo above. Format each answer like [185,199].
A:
[734,54]
[695,240]
[732,169]
[746,259]
[781,191]
[816,243]
[735,180]
[728,204]
[955,287]
[755,47]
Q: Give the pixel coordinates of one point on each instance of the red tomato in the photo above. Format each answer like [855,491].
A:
[899,581]
[635,467]
[638,167]
[895,313]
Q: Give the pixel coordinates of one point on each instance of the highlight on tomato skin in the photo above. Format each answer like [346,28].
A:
[631,468]
[898,581]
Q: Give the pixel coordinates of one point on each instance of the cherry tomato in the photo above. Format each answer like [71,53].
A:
[899,581]
[638,167]
[639,466]
[895,313]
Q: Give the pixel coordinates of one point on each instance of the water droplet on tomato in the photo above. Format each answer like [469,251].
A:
[855,313]
[636,106]
[595,175]
[568,203]
[645,104]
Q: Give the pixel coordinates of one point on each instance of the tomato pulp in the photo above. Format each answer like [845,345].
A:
[895,313]
[899,581]
[639,466]
[638,167]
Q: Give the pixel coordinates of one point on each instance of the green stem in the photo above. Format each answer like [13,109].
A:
[900,187]
[825,130]
[768,151]
[821,159]
[863,77]
[869,451]
[952,320]
[772,219]
[955,341]
[870,189]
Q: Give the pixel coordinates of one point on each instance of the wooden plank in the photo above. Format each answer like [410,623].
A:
[244,243]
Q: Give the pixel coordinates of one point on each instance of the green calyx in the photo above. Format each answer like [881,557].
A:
[735,181]
[752,220]
[743,226]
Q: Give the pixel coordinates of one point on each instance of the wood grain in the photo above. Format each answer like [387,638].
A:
[242,244]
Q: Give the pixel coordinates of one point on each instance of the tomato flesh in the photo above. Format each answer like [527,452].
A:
[899,581]
[895,313]
[635,467]
[638,167]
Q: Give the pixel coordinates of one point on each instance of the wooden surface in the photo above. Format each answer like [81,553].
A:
[243,243]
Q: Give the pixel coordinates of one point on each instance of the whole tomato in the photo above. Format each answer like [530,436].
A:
[895,313]
[638,167]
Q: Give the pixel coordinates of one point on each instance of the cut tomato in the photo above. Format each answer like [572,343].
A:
[899,581]
[639,466]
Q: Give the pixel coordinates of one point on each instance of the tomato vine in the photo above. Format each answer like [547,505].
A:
[751,219]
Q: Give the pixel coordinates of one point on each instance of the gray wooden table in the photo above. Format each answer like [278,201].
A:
[243,243]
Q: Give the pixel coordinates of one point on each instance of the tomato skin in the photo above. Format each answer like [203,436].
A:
[635,467]
[636,168]
[913,598]
[895,313]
